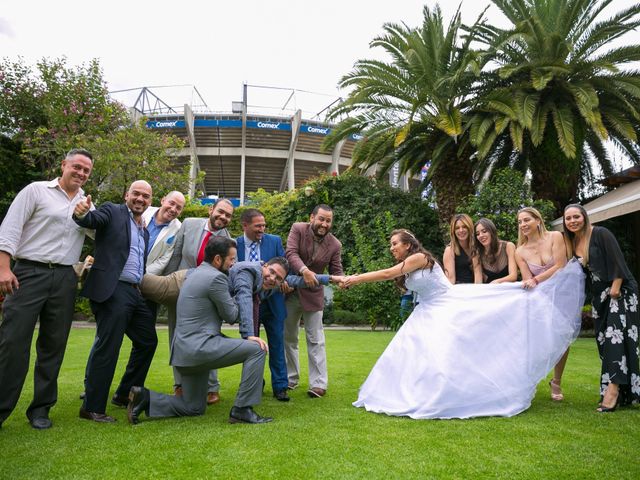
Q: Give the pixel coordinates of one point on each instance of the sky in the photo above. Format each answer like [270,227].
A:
[218,45]
[214,45]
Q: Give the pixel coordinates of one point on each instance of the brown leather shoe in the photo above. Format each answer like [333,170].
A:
[316,392]
[213,397]
[177,390]
[96,417]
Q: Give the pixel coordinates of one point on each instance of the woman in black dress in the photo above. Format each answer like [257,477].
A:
[458,256]
[496,259]
[615,307]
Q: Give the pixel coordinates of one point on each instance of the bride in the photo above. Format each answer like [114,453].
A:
[468,350]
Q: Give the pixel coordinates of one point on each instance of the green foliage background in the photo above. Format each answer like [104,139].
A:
[499,200]
[365,212]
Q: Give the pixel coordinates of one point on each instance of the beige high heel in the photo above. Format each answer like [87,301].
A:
[556,390]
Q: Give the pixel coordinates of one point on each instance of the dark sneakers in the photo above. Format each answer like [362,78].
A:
[282,395]
[40,423]
[246,415]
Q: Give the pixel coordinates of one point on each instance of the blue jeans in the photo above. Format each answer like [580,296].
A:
[274,327]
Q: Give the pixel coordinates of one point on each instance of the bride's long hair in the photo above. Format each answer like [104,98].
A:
[405,236]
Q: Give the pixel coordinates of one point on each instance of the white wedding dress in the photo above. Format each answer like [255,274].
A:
[474,350]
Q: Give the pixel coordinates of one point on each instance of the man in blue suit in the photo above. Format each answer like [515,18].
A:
[113,289]
[255,246]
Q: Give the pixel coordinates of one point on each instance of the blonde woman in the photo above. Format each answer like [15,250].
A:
[539,255]
[458,256]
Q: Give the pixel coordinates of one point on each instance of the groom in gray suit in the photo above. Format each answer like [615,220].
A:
[190,243]
[199,346]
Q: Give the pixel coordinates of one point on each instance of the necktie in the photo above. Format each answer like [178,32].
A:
[253,252]
[205,240]
[256,314]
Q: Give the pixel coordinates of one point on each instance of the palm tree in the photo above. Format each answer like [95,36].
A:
[411,109]
[559,92]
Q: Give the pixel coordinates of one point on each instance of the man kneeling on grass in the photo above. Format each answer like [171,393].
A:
[199,346]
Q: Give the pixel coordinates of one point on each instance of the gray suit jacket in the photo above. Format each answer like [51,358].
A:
[246,281]
[187,244]
[203,304]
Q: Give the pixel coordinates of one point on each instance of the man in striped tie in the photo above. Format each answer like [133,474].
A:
[257,246]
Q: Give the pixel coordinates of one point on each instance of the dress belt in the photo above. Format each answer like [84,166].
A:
[41,264]
[131,284]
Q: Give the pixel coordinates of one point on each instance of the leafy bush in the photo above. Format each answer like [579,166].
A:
[379,301]
[365,212]
[346,317]
[83,310]
[499,200]
[356,200]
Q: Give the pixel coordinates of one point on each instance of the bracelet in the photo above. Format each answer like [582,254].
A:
[535,280]
[303,269]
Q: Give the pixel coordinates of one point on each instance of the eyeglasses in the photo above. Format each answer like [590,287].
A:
[272,271]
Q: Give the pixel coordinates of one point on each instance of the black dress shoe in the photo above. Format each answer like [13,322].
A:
[119,401]
[282,395]
[246,415]
[96,417]
[138,403]
[40,423]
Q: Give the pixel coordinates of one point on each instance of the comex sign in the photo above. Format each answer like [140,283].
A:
[269,125]
[166,124]
[273,126]
[316,130]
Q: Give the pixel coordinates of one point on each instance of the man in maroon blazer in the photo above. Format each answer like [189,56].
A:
[311,249]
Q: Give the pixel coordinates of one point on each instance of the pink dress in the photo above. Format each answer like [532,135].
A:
[538,269]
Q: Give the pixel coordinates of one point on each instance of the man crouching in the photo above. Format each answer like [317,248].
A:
[199,346]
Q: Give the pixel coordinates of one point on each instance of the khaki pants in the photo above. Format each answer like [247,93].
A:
[316,350]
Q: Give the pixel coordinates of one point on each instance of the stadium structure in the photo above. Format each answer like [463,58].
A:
[243,150]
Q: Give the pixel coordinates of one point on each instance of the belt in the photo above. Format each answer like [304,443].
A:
[41,264]
[131,284]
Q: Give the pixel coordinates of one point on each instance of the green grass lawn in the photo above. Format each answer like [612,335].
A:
[324,437]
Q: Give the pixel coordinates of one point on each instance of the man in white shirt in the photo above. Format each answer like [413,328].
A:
[163,224]
[39,233]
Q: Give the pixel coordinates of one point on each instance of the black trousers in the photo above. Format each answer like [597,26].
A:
[125,312]
[47,294]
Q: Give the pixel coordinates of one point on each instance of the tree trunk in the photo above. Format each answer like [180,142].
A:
[452,181]
[554,176]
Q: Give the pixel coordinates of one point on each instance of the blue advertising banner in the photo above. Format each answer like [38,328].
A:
[314,129]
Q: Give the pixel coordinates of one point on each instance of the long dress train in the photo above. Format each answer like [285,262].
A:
[474,350]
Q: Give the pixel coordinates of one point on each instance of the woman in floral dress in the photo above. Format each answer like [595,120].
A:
[615,307]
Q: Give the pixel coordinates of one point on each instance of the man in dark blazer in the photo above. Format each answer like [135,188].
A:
[311,249]
[198,345]
[255,246]
[112,287]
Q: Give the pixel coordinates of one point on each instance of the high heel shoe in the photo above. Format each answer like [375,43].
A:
[556,391]
[603,409]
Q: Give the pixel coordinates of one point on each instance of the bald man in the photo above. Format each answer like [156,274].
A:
[163,224]
[112,287]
